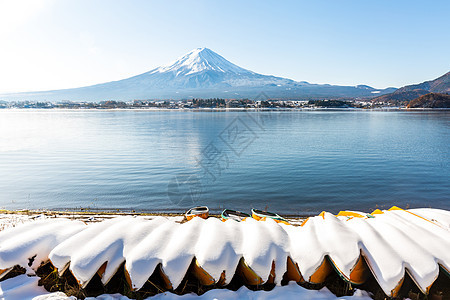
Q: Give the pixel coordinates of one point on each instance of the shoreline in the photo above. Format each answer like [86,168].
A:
[13,218]
[208,109]
[111,213]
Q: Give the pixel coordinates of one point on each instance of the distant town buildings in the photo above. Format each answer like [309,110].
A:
[197,103]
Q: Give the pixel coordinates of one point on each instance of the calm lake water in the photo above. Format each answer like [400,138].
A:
[292,162]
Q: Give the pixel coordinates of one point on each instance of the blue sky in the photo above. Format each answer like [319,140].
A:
[50,44]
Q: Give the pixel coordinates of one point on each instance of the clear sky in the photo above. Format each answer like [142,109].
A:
[52,44]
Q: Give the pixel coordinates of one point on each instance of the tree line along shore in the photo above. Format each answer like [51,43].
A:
[430,101]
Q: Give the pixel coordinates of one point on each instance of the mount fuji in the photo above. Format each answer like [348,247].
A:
[199,73]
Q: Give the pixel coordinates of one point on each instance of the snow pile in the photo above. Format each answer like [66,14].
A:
[291,291]
[438,216]
[12,220]
[34,241]
[26,288]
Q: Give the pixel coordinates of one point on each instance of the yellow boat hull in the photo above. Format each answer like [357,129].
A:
[248,276]
[202,276]
[203,216]
[292,272]
[321,272]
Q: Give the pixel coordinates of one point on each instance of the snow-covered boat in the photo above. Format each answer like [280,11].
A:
[229,214]
[204,277]
[394,249]
[198,211]
[248,275]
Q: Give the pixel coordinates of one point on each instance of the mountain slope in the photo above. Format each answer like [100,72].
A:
[431,100]
[438,85]
[410,92]
[200,73]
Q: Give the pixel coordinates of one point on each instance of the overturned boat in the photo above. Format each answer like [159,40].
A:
[229,214]
[262,215]
[198,211]
[382,252]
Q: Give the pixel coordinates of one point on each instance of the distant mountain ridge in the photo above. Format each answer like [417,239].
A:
[200,73]
[411,92]
[438,85]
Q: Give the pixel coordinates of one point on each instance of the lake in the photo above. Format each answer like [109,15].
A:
[291,162]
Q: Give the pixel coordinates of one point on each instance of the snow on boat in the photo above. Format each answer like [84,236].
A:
[415,242]
[229,214]
[28,245]
[351,214]
[199,211]
[261,215]
[386,244]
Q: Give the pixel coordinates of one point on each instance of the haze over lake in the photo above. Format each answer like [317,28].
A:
[292,162]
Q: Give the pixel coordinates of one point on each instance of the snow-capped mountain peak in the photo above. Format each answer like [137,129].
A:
[200,60]
[199,73]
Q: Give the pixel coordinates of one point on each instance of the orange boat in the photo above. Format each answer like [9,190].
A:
[166,282]
[248,276]
[292,271]
[321,272]
[204,277]
[359,273]
[261,215]
[199,211]
[229,214]
[350,214]
[4,272]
